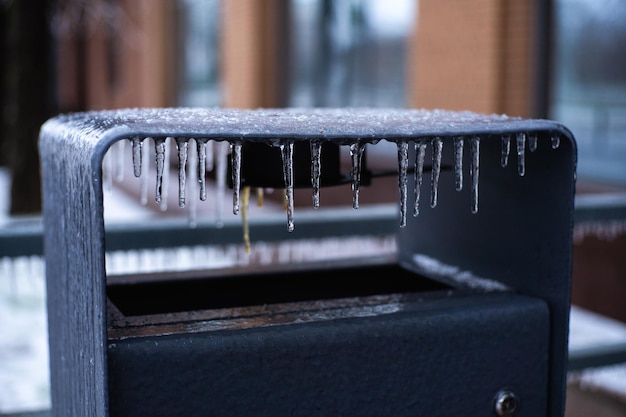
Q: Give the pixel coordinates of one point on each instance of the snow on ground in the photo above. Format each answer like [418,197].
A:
[24,376]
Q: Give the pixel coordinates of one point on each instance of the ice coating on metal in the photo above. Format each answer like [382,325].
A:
[435,268]
[341,125]
[352,127]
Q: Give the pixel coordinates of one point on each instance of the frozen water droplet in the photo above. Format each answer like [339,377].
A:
[532,142]
[556,141]
[403,165]
[145,169]
[159,148]
[136,149]
[356,153]
[316,154]
[474,170]
[220,180]
[286,150]
[201,151]
[235,155]
[183,151]
[420,150]
[437,145]
[458,163]
[521,153]
[506,150]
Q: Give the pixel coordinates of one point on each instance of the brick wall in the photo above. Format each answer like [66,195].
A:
[473,55]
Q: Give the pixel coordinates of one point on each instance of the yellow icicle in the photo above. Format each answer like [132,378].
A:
[245,197]
[259,197]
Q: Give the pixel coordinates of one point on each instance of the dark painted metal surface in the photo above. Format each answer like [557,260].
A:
[438,357]
[521,236]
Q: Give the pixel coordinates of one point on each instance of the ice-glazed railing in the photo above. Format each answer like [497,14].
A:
[230,130]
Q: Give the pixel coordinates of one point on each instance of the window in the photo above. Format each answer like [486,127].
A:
[350,53]
[590,84]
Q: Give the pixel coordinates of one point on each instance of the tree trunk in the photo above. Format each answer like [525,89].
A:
[27,97]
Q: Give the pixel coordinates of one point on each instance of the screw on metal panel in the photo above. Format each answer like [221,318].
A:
[506,403]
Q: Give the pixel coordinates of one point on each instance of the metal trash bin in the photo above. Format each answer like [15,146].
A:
[471,318]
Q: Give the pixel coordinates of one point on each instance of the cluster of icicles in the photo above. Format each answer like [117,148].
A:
[204,159]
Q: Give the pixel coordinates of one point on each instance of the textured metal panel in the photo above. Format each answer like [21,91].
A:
[520,236]
[75,269]
[439,357]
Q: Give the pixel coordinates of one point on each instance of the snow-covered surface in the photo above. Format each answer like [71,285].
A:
[24,376]
[588,330]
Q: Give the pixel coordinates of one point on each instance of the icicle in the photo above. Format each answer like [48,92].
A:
[136,147]
[193,184]
[506,150]
[166,174]
[356,153]
[235,155]
[420,150]
[145,169]
[220,179]
[259,197]
[403,165]
[458,163]
[159,147]
[202,159]
[532,142]
[556,141]
[521,151]
[316,153]
[437,144]
[183,153]
[287,155]
[120,149]
[475,159]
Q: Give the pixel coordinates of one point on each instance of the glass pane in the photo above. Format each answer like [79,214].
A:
[350,53]
[590,84]
[200,69]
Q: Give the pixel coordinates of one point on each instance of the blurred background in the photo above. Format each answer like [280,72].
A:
[563,60]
